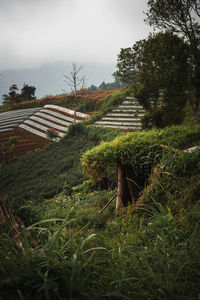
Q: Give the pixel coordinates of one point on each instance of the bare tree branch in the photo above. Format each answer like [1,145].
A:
[75,82]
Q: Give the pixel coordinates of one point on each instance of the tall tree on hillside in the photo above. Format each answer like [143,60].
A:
[28,92]
[75,82]
[182,17]
[157,68]
[13,92]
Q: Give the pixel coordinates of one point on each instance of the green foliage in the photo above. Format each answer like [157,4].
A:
[163,116]
[86,106]
[52,134]
[157,69]
[175,181]
[148,253]
[49,169]
[182,17]
[109,86]
[54,268]
[28,92]
[108,104]
[8,150]
[141,150]
[66,101]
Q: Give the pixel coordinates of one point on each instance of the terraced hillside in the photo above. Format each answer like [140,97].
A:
[51,117]
[29,127]
[126,117]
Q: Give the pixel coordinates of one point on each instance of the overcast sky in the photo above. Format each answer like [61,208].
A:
[34,32]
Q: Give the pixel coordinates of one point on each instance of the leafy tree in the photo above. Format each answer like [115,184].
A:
[182,17]
[125,67]
[157,69]
[92,88]
[28,92]
[110,85]
[117,84]
[5,98]
[13,92]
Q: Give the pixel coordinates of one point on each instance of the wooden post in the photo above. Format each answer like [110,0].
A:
[127,189]
[120,188]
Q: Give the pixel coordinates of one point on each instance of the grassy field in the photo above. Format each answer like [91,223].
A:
[66,249]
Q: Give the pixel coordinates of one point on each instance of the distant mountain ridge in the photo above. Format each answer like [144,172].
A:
[49,80]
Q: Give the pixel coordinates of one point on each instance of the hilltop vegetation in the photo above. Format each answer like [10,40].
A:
[146,251]
[85,102]
[68,250]
[69,243]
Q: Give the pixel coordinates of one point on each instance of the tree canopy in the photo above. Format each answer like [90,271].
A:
[166,65]
[157,69]
[183,18]
[27,93]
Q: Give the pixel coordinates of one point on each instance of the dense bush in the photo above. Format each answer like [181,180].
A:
[140,150]
[163,117]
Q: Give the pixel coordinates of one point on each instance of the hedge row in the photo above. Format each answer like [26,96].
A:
[141,150]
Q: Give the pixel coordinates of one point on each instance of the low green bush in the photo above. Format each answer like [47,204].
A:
[140,150]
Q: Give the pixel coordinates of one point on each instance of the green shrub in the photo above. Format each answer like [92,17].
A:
[163,117]
[51,134]
[140,150]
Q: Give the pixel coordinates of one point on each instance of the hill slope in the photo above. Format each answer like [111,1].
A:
[44,173]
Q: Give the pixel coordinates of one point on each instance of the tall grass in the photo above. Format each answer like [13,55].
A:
[145,251]
[151,252]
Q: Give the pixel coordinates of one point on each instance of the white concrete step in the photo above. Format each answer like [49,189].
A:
[118,123]
[120,127]
[131,102]
[124,115]
[133,107]
[134,119]
[128,110]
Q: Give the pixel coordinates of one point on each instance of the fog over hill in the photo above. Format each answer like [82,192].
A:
[49,80]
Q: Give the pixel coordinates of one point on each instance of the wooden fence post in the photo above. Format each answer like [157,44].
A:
[127,189]
[120,188]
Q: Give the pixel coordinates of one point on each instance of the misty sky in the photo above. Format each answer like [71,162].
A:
[34,32]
